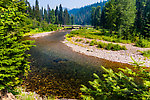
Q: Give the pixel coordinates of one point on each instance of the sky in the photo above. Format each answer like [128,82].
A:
[65,3]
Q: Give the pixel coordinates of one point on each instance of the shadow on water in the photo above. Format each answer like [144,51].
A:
[57,70]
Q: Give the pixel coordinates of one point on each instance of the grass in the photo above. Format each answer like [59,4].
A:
[99,34]
[111,36]
[22,95]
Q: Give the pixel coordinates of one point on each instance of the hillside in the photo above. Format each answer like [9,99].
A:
[83,15]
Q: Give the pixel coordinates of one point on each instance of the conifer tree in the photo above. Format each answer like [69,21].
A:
[72,19]
[13,59]
[60,16]
[48,14]
[66,17]
[37,11]
[97,16]
[52,17]
[93,16]
[45,15]
[56,15]
[42,14]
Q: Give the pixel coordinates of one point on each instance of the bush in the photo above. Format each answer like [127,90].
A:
[101,45]
[143,43]
[93,42]
[78,40]
[146,53]
[110,46]
[119,86]
[87,42]
[13,59]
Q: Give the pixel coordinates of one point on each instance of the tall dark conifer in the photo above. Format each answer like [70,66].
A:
[60,16]
[37,11]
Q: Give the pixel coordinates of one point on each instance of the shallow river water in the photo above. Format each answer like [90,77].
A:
[57,70]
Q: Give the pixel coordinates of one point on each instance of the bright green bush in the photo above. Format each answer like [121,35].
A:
[120,86]
[78,40]
[143,43]
[146,53]
[87,42]
[13,59]
[93,42]
[101,45]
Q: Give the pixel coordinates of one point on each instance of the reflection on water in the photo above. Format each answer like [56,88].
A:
[57,70]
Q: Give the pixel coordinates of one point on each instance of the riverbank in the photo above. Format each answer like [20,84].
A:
[122,56]
[41,34]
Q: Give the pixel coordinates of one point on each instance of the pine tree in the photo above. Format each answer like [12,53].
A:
[48,14]
[66,17]
[93,16]
[97,16]
[56,15]
[37,11]
[60,16]
[42,14]
[52,17]
[13,59]
[72,19]
[45,15]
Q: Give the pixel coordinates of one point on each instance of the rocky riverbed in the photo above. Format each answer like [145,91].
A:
[122,56]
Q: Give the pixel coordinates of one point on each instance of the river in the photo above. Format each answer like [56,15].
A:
[57,70]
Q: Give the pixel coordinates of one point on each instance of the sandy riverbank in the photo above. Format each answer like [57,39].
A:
[41,34]
[122,56]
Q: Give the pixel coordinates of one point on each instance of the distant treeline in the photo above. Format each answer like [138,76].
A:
[51,16]
[129,18]
[82,15]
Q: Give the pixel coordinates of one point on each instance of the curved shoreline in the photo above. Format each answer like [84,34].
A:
[122,56]
[41,34]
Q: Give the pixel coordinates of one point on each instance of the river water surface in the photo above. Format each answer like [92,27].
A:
[57,70]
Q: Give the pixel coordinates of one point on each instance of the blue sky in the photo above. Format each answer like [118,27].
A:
[65,3]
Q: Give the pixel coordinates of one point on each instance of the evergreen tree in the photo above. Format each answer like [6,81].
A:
[45,15]
[97,16]
[42,14]
[37,11]
[72,20]
[147,19]
[49,14]
[66,17]
[56,15]
[52,17]
[139,21]
[60,16]
[93,16]
[13,59]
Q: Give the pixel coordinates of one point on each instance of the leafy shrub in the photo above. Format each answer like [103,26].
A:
[78,40]
[110,46]
[146,53]
[143,43]
[87,42]
[13,59]
[69,35]
[119,86]
[93,42]
[101,45]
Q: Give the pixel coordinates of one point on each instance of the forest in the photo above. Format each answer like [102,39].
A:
[114,21]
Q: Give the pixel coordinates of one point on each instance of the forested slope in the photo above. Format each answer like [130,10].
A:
[82,15]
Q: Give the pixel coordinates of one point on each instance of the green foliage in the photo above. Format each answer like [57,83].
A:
[110,46]
[120,85]
[143,43]
[146,53]
[87,42]
[93,42]
[101,34]
[13,59]
[78,40]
